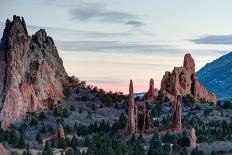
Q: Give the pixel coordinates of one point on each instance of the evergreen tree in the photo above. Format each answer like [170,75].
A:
[109,151]
[53,143]
[69,152]
[77,152]
[21,143]
[74,142]
[47,147]
[155,147]
[87,141]
[140,139]
[133,140]
[39,138]
[42,116]
[62,143]
[184,152]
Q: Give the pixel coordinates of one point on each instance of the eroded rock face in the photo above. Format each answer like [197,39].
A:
[60,132]
[176,116]
[131,126]
[152,92]
[182,81]
[138,115]
[192,138]
[3,151]
[31,73]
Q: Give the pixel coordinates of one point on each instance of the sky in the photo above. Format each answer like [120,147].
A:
[109,42]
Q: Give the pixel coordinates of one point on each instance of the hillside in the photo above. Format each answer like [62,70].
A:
[217,76]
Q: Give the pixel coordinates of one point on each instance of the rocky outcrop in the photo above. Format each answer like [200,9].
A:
[60,132]
[32,75]
[152,92]
[176,116]
[138,115]
[3,151]
[131,126]
[192,138]
[182,81]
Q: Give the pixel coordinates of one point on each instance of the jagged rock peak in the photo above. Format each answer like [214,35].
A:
[189,63]
[131,89]
[17,24]
[42,38]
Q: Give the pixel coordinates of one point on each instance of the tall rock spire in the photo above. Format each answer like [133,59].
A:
[189,63]
[176,117]
[152,92]
[131,126]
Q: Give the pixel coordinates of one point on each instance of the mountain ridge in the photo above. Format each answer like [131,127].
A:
[217,76]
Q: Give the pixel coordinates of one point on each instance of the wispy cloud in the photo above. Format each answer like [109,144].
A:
[135,23]
[214,39]
[100,12]
[112,46]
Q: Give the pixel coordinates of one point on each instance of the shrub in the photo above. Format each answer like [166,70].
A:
[33,122]
[62,143]
[42,116]
[72,108]
[188,100]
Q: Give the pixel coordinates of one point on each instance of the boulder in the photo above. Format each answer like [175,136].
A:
[192,138]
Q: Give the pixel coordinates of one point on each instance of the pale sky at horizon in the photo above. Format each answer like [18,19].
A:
[109,42]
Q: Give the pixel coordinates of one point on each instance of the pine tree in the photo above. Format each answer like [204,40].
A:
[155,147]
[47,149]
[69,152]
[77,152]
[140,139]
[62,143]
[87,141]
[74,142]
[21,143]
[39,138]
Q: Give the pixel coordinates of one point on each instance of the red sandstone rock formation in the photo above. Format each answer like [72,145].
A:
[182,81]
[31,73]
[132,112]
[152,92]
[60,132]
[138,116]
[192,138]
[176,116]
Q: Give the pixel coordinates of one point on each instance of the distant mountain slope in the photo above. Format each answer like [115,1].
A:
[217,76]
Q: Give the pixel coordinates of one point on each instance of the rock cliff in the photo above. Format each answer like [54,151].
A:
[32,75]
[182,81]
